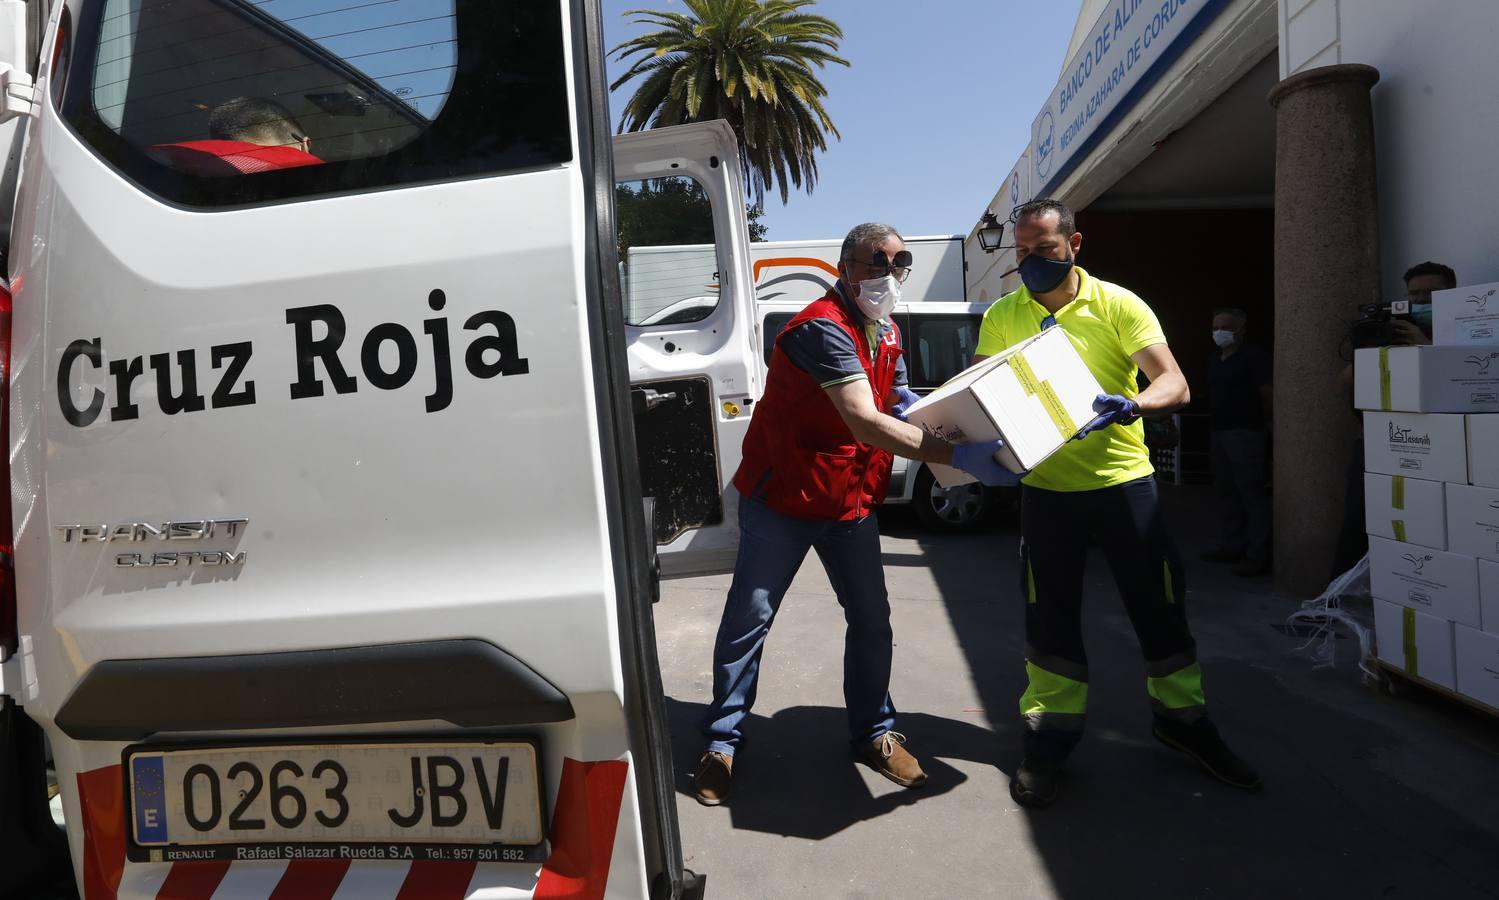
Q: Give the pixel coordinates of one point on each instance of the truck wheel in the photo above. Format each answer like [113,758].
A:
[950,510]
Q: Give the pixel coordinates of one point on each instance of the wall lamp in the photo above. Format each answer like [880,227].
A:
[991,233]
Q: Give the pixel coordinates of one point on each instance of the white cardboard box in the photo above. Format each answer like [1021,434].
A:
[1432,581]
[1406,509]
[1488,595]
[1466,316]
[1483,450]
[1419,445]
[1473,521]
[1034,396]
[1427,379]
[1415,642]
[1477,665]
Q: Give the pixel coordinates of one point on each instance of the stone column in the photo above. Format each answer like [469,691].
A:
[1326,267]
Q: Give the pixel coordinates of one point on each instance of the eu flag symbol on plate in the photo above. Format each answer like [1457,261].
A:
[149,792]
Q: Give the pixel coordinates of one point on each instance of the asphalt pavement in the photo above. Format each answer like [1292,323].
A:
[1367,795]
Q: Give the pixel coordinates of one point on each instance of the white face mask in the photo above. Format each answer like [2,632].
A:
[1224,338]
[877,297]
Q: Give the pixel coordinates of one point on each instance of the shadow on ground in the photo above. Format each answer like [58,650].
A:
[795,776]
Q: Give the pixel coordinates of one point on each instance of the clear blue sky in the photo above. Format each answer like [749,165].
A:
[934,109]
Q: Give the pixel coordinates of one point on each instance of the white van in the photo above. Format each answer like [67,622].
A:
[939,340]
[332,565]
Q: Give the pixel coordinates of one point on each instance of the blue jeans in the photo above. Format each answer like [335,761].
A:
[771,549]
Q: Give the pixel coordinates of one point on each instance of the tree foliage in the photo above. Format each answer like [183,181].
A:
[750,62]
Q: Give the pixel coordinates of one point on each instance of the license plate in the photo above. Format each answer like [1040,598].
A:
[457,801]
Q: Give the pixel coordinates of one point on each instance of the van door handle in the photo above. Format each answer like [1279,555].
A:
[644,400]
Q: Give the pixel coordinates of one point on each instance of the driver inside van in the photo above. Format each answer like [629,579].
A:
[246,135]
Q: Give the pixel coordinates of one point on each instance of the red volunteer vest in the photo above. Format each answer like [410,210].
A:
[799,456]
[218,158]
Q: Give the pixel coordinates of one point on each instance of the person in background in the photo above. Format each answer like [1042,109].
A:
[1239,402]
[1414,331]
[1420,280]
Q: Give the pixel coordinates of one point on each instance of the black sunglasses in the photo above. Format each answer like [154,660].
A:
[883,265]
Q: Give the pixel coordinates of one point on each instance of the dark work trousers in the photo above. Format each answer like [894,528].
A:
[1244,506]
[1125,523]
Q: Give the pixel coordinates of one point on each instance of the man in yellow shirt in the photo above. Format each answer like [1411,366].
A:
[1098,490]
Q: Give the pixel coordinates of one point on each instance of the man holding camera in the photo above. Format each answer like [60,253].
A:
[1411,328]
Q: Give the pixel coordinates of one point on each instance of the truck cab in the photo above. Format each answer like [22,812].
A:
[337,468]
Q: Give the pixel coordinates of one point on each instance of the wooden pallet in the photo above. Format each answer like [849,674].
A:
[1389,686]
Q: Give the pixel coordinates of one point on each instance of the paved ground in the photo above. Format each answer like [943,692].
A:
[1367,795]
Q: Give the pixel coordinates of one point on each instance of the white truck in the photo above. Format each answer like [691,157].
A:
[330,450]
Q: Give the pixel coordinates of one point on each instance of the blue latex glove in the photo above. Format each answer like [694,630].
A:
[978,460]
[906,398]
[1112,409]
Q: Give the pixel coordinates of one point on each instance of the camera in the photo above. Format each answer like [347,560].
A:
[1373,326]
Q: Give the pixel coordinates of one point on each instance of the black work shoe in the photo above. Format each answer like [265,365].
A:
[1034,784]
[715,775]
[1200,741]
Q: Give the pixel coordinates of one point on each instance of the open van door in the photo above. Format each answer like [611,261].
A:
[329,551]
[689,316]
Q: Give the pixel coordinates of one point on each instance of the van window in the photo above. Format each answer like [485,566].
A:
[775,323]
[668,258]
[939,347]
[230,102]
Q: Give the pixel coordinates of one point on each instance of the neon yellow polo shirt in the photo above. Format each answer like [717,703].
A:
[1107,324]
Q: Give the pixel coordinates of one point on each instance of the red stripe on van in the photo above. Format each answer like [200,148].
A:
[192,880]
[310,879]
[101,796]
[430,880]
[587,815]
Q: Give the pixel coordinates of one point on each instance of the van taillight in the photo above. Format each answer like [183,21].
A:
[8,638]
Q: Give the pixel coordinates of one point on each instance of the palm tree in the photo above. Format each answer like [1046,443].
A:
[749,62]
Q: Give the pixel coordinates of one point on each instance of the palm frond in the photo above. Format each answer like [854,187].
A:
[753,63]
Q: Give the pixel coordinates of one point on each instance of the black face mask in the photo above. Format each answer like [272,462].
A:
[1041,275]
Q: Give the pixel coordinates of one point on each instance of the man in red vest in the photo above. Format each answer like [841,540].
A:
[816,462]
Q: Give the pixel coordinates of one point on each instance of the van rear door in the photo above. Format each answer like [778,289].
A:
[690,317]
[328,536]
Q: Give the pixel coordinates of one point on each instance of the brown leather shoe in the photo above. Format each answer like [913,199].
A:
[715,775]
[886,756]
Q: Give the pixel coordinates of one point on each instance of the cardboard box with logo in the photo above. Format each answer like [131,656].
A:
[1466,316]
[1033,396]
[1427,379]
[1406,509]
[1419,445]
[1477,665]
[1483,451]
[1441,584]
[1488,596]
[1414,642]
[1473,521]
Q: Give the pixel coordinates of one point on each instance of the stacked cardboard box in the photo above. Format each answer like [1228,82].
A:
[1431,445]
